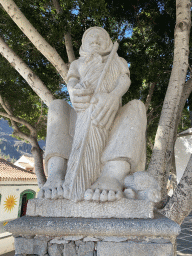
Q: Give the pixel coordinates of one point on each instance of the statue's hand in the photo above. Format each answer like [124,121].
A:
[106,108]
[80,98]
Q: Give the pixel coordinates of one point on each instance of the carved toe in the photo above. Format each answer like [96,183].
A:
[41,194]
[103,196]
[60,192]
[48,193]
[66,192]
[119,195]
[129,193]
[96,195]
[88,194]
[111,195]
[54,193]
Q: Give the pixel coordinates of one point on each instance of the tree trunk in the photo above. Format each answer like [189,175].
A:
[172,209]
[34,81]
[38,160]
[163,147]
[37,154]
[39,42]
[170,165]
[180,204]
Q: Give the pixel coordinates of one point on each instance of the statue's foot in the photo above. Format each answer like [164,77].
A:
[103,190]
[56,173]
[52,189]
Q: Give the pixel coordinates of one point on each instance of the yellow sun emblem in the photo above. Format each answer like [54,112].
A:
[10,203]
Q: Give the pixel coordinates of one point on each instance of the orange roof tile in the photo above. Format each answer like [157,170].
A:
[9,171]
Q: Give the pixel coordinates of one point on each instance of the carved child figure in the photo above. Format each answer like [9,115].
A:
[109,140]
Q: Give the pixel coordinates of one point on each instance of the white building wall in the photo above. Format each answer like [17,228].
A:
[6,243]
[13,190]
[25,160]
[21,159]
[183,150]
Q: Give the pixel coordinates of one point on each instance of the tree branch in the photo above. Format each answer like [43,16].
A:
[21,135]
[57,6]
[150,114]
[19,120]
[39,42]
[9,111]
[185,133]
[36,84]
[69,47]
[5,106]
[152,118]
[67,36]
[149,96]
[40,115]
[4,103]
[16,130]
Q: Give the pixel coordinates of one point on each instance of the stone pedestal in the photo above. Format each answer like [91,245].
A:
[90,237]
[123,208]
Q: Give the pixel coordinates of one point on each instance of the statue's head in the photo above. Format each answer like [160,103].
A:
[96,39]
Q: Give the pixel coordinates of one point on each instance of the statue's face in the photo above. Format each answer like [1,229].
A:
[95,41]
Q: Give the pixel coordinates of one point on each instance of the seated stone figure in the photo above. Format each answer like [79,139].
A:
[109,140]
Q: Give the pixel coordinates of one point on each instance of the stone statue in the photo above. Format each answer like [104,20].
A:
[104,160]
[96,172]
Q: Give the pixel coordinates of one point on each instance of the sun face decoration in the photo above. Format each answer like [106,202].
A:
[10,203]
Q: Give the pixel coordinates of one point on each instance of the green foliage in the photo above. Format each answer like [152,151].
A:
[185,121]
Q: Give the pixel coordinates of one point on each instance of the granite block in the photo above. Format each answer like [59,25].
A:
[69,250]
[160,226]
[134,249]
[23,246]
[86,249]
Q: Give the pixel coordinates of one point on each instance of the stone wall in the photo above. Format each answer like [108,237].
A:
[48,236]
[92,246]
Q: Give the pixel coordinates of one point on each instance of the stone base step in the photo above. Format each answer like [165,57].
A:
[124,208]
